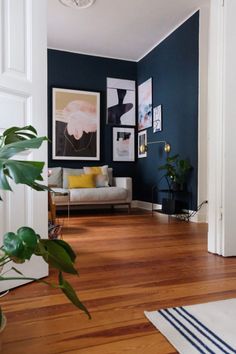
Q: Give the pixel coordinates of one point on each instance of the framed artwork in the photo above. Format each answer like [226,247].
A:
[157,119]
[76,125]
[142,140]
[145,105]
[120,102]
[123,144]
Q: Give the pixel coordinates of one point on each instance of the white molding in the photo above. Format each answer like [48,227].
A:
[168,34]
[215,127]
[202,111]
[92,54]
[144,205]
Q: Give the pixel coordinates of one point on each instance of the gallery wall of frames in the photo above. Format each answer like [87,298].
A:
[79,127]
[101,110]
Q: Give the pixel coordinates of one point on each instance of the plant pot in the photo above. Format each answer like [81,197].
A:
[178,187]
[175,186]
[170,206]
[4,322]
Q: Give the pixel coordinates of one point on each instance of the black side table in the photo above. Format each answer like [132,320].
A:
[173,203]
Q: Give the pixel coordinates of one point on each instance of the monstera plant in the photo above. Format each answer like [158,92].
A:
[176,171]
[20,246]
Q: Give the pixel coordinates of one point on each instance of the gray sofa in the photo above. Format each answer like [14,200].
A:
[119,191]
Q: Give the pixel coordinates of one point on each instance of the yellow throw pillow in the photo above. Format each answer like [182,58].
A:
[96,170]
[100,173]
[81,181]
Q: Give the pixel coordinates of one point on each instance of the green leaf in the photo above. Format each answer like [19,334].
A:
[15,134]
[71,294]
[14,148]
[172,159]
[20,246]
[13,246]
[4,184]
[67,248]
[56,255]
[29,240]
[23,172]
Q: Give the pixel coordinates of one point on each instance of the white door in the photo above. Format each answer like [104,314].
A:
[23,101]
[222,128]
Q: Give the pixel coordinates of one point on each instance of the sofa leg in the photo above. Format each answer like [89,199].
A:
[129,208]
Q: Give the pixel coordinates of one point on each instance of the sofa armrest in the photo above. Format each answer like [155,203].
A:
[124,182]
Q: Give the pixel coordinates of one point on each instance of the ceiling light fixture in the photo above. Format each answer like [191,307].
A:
[77,4]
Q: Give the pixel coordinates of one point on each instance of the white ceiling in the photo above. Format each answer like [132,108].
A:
[124,29]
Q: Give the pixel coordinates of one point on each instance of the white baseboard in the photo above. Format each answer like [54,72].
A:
[201,215]
[144,205]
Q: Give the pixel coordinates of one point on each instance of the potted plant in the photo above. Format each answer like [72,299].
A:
[19,247]
[177,171]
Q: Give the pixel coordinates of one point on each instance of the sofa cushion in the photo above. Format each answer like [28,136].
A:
[101,181]
[70,172]
[102,194]
[100,175]
[97,170]
[55,177]
[105,171]
[82,181]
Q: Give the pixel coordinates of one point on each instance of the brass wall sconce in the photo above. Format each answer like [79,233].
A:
[144,148]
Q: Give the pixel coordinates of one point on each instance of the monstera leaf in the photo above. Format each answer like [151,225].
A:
[15,134]
[20,246]
[14,141]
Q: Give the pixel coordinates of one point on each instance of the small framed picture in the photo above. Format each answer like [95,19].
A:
[123,144]
[145,105]
[142,143]
[157,119]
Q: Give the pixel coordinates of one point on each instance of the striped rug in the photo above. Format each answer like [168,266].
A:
[205,328]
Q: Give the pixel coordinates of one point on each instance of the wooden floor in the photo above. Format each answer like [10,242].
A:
[128,264]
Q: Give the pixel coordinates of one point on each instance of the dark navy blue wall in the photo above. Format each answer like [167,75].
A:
[85,72]
[173,65]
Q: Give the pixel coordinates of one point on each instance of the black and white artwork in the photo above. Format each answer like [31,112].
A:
[123,144]
[120,102]
[157,119]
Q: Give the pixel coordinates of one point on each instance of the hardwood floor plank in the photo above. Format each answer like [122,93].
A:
[128,264]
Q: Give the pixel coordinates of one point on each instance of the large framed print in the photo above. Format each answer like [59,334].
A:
[123,144]
[76,125]
[145,105]
[121,102]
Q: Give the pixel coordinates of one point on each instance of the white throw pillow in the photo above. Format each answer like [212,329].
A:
[55,177]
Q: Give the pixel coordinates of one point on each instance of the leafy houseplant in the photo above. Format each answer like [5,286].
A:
[177,171]
[20,246]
